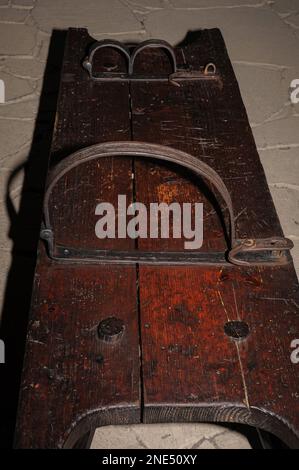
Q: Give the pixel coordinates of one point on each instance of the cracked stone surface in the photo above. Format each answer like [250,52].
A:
[262,37]
[13,15]
[15,88]
[198,4]
[265,92]
[25,43]
[244,30]
[23,110]
[285,7]
[168,436]
[269,135]
[29,68]
[14,135]
[293,20]
[23,3]
[74,13]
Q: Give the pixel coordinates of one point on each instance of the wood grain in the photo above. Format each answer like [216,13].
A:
[73,382]
[192,371]
[175,360]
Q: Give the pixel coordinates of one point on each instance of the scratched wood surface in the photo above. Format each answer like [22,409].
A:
[193,371]
[70,377]
[189,368]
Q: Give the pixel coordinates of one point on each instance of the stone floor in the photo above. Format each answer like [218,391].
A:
[262,38]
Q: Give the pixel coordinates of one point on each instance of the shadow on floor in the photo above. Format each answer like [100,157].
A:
[24,232]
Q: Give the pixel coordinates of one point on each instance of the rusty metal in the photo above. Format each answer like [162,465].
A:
[84,256]
[258,252]
[277,246]
[207,72]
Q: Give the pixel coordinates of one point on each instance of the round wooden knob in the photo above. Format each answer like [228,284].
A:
[111,329]
[236,329]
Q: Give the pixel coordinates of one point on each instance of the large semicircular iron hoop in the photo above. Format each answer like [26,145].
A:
[276,246]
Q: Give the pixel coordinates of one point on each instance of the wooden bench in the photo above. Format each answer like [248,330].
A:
[126,331]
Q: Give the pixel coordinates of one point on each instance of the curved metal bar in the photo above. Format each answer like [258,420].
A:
[144,150]
[210,69]
[176,75]
[153,44]
[275,249]
[276,245]
[87,63]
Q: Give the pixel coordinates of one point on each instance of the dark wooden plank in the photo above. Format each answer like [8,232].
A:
[210,122]
[72,381]
[166,114]
[193,371]
[75,197]
[270,308]
[88,113]
[186,358]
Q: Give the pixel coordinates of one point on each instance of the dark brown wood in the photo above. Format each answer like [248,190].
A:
[192,371]
[194,363]
[72,381]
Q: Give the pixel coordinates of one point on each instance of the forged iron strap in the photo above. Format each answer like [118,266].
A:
[207,72]
[241,251]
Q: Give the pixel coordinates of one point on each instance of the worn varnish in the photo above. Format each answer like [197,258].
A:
[199,343]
